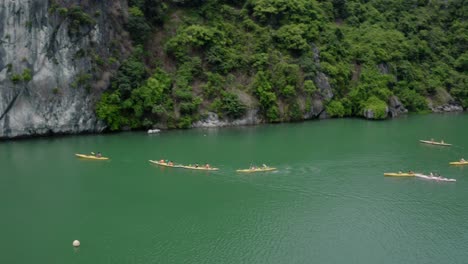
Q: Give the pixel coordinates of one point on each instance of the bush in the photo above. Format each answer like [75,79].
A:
[285,78]
[184,122]
[138,27]
[378,107]
[309,87]
[412,100]
[294,112]
[26,76]
[16,78]
[272,114]
[335,109]
[213,85]
[231,106]
[131,73]
[291,37]
[109,109]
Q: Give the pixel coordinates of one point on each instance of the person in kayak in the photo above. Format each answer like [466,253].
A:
[98,154]
[196,165]
[170,163]
[161,161]
[207,165]
[462,160]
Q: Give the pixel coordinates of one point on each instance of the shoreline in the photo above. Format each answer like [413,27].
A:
[225,124]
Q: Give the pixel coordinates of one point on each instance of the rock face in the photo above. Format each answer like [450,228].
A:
[369,114]
[451,107]
[48,62]
[395,108]
[213,120]
[325,92]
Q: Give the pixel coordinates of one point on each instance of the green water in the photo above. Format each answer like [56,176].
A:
[327,203]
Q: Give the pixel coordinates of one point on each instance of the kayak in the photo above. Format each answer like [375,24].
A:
[435,178]
[395,174]
[199,168]
[459,163]
[435,143]
[257,170]
[91,157]
[164,164]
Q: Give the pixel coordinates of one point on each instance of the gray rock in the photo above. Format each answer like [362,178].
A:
[316,109]
[369,114]
[383,68]
[213,120]
[450,107]
[34,39]
[321,80]
[395,108]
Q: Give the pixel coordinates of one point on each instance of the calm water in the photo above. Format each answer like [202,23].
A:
[328,203]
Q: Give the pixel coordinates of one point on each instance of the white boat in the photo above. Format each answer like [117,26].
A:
[152,131]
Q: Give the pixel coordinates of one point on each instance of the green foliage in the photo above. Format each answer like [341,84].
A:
[285,78]
[335,109]
[293,37]
[184,122]
[82,79]
[26,76]
[109,109]
[281,11]
[76,17]
[16,78]
[412,100]
[138,26]
[229,106]
[112,61]
[309,87]
[294,112]
[131,73]
[75,13]
[135,11]
[282,51]
[377,106]
[264,91]
[153,97]
[213,85]
[462,62]
[195,36]
[62,11]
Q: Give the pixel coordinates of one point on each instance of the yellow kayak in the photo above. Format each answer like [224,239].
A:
[164,164]
[91,157]
[199,168]
[459,163]
[435,143]
[397,174]
[257,170]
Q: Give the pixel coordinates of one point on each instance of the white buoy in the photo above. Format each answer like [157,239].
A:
[76,243]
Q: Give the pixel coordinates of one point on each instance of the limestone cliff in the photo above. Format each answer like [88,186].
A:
[51,63]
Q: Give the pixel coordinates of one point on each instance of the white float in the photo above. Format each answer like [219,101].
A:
[76,243]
